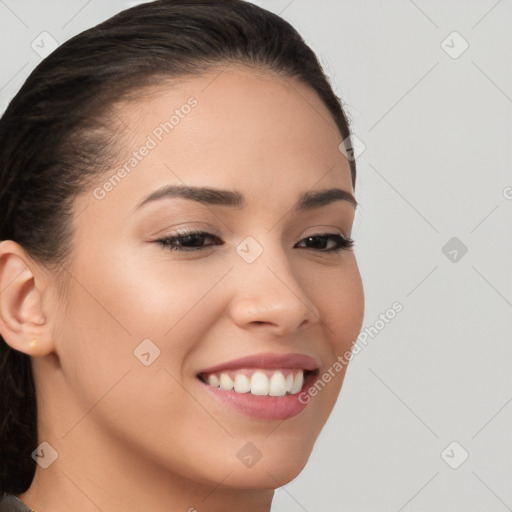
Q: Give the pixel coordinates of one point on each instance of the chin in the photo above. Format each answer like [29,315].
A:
[266,475]
[272,464]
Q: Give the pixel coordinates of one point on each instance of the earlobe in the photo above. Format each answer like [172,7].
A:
[23,323]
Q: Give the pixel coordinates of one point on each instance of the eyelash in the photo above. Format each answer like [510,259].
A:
[342,243]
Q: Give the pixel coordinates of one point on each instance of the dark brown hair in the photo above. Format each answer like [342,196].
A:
[58,135]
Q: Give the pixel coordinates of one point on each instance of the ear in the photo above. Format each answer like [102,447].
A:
[23,282]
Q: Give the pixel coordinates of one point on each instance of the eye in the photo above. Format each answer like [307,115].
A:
[194,240]
[189,240]
[336,242]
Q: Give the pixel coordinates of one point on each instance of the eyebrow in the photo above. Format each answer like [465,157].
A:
[215,196]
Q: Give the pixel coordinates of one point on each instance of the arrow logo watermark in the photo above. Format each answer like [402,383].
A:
[454,249]
[249,455]
[454,45]
[454,455]
[249,249]
[147,352]
[45,455]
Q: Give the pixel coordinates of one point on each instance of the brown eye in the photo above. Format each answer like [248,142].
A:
[189,240]
[321,242]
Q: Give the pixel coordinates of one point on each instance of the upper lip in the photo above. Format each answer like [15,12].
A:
[266,361]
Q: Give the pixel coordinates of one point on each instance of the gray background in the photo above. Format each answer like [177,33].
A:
[436,125]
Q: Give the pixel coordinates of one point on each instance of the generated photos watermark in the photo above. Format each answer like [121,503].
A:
[156,136]
[342,361]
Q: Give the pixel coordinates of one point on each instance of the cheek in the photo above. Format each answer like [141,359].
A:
[351,305]
[111,310]
[339,297]
[93,339]
[167,300]
[340,300]
[118,306]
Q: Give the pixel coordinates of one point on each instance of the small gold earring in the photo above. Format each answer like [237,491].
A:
[33,343]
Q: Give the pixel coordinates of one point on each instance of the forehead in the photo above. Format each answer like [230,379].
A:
[232,127]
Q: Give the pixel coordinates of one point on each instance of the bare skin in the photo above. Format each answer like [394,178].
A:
[133,437]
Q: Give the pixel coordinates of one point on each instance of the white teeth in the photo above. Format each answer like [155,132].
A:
[298,381]
[289,382]
[277,386]
[242,383]
[259,384]
[213,380]
[226,382]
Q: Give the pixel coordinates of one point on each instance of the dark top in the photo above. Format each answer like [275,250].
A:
[10,503]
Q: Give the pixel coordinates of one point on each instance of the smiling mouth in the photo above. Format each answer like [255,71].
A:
[259,382]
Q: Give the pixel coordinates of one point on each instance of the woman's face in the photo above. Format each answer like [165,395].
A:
[146,323]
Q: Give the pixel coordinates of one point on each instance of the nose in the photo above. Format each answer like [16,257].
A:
[270,297]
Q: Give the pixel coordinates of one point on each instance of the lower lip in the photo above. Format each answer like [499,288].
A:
[262,407]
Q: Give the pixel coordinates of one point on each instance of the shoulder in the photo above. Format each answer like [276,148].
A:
[10,503]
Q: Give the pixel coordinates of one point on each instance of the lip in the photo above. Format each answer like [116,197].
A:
[267,361]
[263,407]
